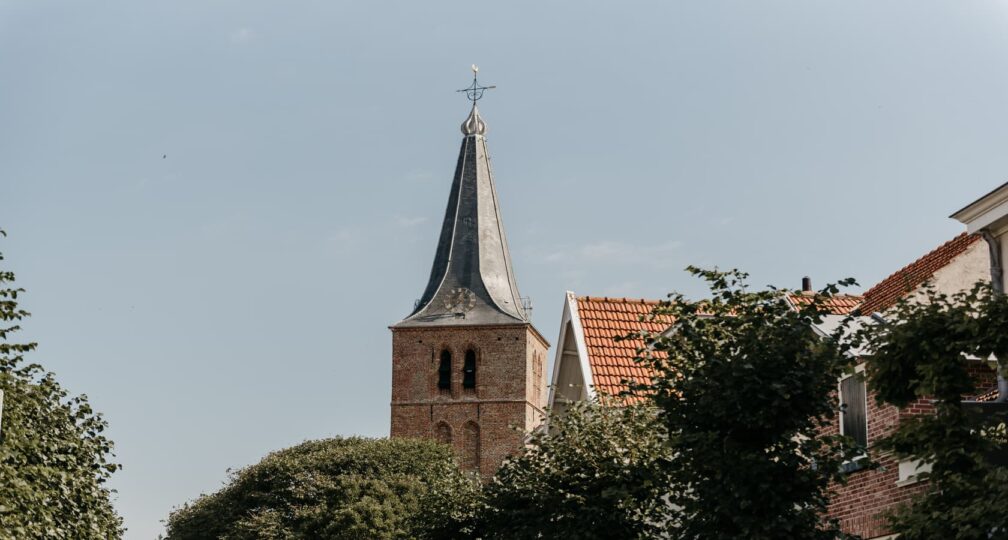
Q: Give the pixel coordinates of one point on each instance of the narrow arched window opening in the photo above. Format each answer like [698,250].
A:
[471,446]
[469,370]
[443,433]
[444,371]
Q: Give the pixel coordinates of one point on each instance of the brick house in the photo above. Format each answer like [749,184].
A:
[951,267]
[589,362]
[987,217]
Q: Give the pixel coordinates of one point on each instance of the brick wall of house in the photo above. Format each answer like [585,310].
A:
[487,423]
[861,504]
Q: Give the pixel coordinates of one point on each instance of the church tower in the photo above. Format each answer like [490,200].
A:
[468,367]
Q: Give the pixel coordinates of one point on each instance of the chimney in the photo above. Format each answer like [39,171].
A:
[806,284]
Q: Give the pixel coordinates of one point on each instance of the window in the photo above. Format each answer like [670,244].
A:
[469,370]
[443,433]
[471,446]
[909,471]
[537,378]
[853,409]
[444,371]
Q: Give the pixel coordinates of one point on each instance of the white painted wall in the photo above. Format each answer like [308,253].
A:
[570,384]
[989,214]
[572,378]
[961,273]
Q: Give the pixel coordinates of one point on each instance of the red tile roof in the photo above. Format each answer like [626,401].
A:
[989,395]
[841,304]
[889,291]
[611,361]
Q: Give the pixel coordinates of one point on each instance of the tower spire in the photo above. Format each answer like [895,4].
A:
[467,364]
[471,280]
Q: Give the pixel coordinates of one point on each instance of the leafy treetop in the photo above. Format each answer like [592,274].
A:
[335,489]
[745,388]
[54,459]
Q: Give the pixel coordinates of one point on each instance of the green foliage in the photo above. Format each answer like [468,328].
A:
[337,489]
[596,474]
[744,387]
[54,460]
[921,353]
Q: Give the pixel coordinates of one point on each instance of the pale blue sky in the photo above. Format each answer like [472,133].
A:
[234,297]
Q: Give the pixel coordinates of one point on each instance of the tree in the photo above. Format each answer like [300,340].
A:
[744,387]
[54,460]
[339,488]
[924,351]
[595,474]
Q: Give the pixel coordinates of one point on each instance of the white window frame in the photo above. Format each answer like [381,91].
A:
[909,471]
[858,370]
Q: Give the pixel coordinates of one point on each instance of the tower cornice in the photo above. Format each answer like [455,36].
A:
[527,325]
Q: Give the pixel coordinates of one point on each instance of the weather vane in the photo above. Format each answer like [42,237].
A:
[474,92]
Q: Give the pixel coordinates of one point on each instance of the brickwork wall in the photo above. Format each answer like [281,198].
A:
[508,400]
[862,503]
[984,375]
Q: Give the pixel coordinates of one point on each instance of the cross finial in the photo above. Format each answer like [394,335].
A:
[474,92]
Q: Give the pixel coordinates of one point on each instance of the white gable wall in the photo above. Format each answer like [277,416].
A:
[571,380]
[961,273]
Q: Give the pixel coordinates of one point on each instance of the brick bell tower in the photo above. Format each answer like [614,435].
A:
[468,367]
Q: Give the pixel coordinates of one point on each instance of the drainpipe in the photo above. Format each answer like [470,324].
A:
[997,283]
[997,274]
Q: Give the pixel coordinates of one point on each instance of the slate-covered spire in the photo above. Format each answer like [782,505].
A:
[471,281]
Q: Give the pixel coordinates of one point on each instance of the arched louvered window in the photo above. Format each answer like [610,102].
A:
[443,433]
[444,371]
[469,370]
[471,446]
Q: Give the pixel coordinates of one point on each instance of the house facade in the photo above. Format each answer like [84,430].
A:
[987,217]
[869,494]
[590,362]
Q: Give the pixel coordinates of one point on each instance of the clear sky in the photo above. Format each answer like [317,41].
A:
[218,207]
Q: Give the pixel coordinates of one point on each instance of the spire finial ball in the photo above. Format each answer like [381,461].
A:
[474,124]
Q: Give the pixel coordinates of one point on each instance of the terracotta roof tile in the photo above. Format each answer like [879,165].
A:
[841,304]
[891,289]
[603,319]
[989,395]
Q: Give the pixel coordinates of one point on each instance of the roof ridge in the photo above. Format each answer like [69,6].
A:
[876,296]
[813,293]
[618,300]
